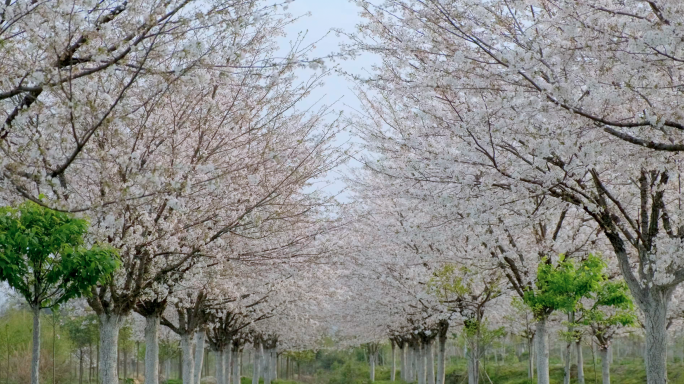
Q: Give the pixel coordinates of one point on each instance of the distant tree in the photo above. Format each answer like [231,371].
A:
[83,333]
[609,310]
[43,257]
[560,287]
[467,293]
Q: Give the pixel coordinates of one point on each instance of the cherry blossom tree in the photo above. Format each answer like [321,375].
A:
[541,99]
[215,153]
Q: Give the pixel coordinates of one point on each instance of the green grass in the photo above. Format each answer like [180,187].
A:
[511,372]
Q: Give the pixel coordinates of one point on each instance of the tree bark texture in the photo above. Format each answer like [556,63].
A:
[188,360]
[235,365]
[393,370]
[199,355]
[152,349]
[256,365]
[35,356]
[430,362]
[542,352]
[441,359]
[580,362]
[108,348]
[605,365]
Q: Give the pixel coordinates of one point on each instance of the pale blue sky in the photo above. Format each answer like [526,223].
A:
[324,16]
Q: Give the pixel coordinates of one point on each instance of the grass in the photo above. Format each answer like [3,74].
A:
[623,372]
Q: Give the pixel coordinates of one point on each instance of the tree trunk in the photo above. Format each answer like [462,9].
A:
[227,360]
[393,370]
[430,363]
[180,365]
[188,358]
[90,362]
[152,349]
[35,357]
[605,364]
[420,361]
[108,348]
[542,352]
[274,364]
[441,358]
[371,359]
[220,370]
[409,361]
[235,363]
[266,358]
[402,361]
[256,366]
[473,362]
[530,358]
[580,362]
[414,364]
[125,365]
[288,375]
[568,349]
[568,361]
[655,324]
[199,355]
[80,367]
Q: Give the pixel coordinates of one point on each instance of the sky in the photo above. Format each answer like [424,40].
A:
[318,18]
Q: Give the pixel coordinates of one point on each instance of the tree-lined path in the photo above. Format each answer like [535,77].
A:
[170,178]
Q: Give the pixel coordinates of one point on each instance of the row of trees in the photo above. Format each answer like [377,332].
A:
[176,130]
[505,143]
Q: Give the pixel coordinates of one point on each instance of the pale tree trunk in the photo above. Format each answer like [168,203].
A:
[580,362]
[152,349]
[220,371]
[605,364]
[402,360]
[227,355]
[530,358]
[371,360]
[568,348]
[415,375]
[568,361]
[473,363]
[655,324]
[108,348]
[199,355]
[256,365]
[267,365]
[188,358]
[274,364]
[441,358]
[394,361]
[409,364]
[35,357]
[430,363]
[167,369]
[235,365]
[420,354]
[542,352]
